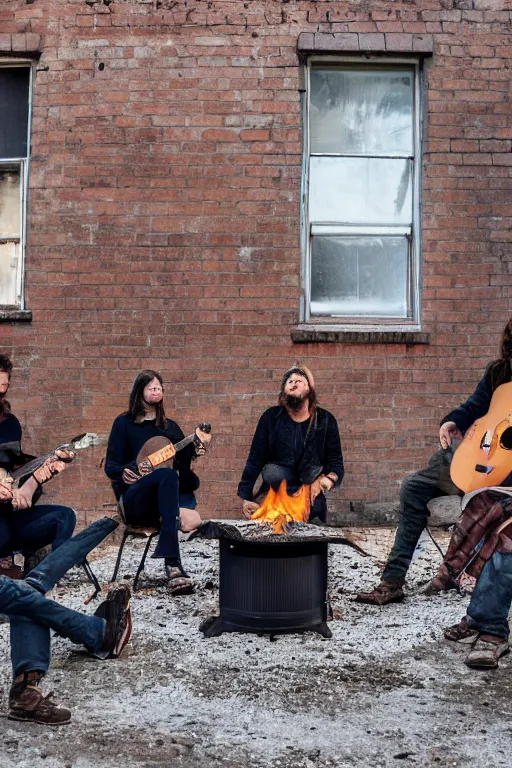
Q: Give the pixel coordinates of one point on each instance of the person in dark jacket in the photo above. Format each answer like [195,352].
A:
[434,481]
[24,525]
[296,441]
[165,496]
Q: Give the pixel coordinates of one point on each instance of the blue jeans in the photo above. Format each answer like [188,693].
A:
[491,599]
[154,500]
[32,615]
[30,529]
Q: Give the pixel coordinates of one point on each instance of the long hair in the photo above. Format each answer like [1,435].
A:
[136,407]
[5,406]
[499,371]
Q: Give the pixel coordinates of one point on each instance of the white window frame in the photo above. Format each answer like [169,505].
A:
[24,164]
[309,228]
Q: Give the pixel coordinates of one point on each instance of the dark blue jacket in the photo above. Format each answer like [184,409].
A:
[273,443]
[474,408]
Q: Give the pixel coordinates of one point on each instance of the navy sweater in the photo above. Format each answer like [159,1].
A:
[10,442]
[127,438]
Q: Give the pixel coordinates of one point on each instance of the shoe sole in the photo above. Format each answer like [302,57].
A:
[380,603]
[125,634]
[20,719]
[469,640]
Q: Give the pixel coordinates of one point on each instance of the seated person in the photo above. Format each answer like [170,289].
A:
[296,441]
[25,527]
[32,616]
[165,496]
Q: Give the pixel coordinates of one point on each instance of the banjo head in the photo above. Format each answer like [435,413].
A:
[153,445]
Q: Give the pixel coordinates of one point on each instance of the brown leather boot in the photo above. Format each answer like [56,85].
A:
[384,593]
[28,704]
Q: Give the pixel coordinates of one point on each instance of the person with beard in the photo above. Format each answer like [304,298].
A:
[296,441]
[165,496]
[25,526]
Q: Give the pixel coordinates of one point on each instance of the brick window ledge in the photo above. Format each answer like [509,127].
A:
[307,334]
[15,316]
[365,42]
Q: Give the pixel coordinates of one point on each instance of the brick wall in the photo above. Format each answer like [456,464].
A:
[163,227]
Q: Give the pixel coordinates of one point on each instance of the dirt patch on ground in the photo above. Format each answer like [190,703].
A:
[385,691]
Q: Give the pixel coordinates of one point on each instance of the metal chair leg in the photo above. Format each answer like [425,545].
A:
[143,560]
[93,579]
[119,555]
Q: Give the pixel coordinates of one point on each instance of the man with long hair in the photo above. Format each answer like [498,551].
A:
[165,496]
[434,481]
[24,525]
[296,441]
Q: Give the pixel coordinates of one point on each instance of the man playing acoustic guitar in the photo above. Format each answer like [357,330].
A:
[420,488]
[164,496]
[23,526]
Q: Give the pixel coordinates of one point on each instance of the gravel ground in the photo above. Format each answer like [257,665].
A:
[386,690]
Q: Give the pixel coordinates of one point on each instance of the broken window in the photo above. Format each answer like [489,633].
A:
[14,124]
[361,215]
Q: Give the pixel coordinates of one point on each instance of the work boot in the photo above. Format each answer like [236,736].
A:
[487,651]
[117,613]
[28,704]
[461,633]
[384,593]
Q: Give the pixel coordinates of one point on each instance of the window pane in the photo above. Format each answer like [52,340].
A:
[359,276]
[9,202]
[8,271]
[360,190]
[14,84]
[362,112]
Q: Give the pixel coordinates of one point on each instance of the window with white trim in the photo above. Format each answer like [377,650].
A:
[14,152]
[361,204]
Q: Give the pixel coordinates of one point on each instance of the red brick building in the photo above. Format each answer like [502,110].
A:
[215,188]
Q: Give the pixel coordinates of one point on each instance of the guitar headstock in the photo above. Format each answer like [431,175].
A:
[85,440]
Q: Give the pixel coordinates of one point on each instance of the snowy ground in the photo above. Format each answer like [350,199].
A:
[386,690]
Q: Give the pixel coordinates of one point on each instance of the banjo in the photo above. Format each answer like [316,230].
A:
[159,451]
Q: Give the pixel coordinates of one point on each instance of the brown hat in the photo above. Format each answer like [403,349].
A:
[302,371]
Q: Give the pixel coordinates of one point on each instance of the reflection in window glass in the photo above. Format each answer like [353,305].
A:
[361,112]
[359,276]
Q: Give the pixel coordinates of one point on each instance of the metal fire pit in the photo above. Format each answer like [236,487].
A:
[271,583]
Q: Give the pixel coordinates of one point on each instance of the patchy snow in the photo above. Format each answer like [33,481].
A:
[386,690]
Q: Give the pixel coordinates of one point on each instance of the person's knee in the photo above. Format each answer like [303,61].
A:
[165,475]
[190,519]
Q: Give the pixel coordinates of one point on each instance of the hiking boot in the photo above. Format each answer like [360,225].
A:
[384,593]
[461,633]
[117,613]
[439,584]
[487,652]
[28,704]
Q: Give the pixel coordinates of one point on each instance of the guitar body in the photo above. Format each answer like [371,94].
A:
[152,446]
[484,457]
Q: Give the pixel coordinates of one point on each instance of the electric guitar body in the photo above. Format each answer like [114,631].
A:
[484,457]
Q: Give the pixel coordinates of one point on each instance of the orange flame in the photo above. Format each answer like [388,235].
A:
[278,509]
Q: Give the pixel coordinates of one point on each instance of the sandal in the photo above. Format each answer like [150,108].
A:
[461,633]
[179,583]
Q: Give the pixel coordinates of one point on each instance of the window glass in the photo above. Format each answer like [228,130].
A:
[14,91]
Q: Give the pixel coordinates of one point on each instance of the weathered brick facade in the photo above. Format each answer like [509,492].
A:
[163,225]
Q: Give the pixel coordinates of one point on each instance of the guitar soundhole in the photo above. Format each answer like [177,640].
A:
[506,439]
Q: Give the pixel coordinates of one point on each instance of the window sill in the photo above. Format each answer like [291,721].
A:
[308,333]
[15,316]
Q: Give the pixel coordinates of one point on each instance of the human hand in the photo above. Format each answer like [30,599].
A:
[49,469]
[5,492]
[19,500]
[249,508]
[130,477]
[449,432]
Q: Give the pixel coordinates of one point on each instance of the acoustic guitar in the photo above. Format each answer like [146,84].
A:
[159,451]
[65,452]
[484,456]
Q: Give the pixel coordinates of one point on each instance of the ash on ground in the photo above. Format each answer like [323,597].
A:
[386,690]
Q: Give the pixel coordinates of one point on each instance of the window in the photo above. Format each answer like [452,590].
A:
[14,151]
[361,217]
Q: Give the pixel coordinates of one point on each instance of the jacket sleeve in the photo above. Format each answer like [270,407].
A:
[116,462]
[333,456]
[258,457]
[475,407]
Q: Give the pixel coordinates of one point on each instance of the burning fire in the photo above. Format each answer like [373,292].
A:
[279,509]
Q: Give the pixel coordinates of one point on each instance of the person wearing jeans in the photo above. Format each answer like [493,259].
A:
[32,616]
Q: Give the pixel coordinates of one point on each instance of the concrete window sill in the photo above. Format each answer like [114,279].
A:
[307,334]
[15,315]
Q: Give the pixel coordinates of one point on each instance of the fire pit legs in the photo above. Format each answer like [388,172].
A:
[271,588]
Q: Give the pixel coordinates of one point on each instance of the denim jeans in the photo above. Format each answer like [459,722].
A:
[492,597]
[30,529]
[32,615]
[154,500]
[416,491]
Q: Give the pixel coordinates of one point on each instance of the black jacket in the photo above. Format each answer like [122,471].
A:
[475,406]
[272,443]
